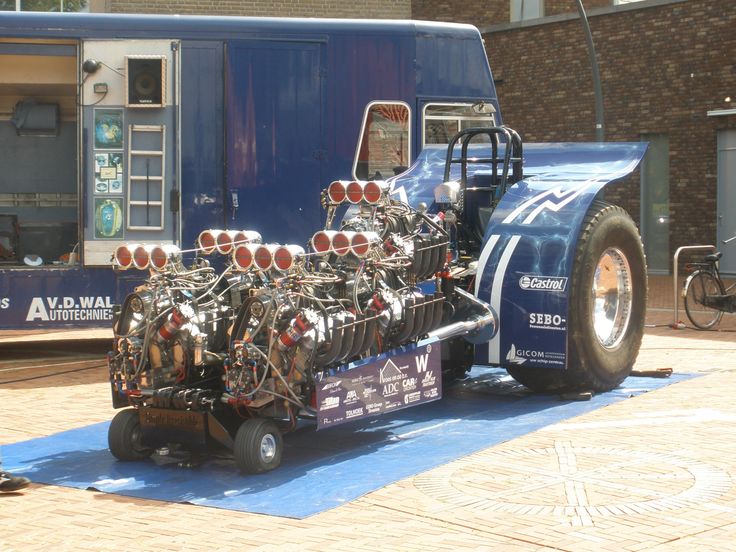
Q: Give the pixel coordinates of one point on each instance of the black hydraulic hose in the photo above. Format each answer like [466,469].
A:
[433,224]
[241,319]
[123,318]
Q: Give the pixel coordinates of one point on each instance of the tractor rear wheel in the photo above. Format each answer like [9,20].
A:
[607,307]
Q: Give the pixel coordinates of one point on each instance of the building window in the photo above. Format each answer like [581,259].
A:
[45,5]
[442,121]
[384,145]
[521,10]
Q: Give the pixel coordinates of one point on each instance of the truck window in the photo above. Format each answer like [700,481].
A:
[442,121]
[384,145]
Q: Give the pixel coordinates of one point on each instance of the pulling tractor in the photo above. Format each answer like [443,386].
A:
[461,259]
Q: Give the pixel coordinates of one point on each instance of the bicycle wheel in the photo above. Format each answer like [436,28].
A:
[699,284]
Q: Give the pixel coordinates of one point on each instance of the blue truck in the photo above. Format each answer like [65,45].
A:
[306,219]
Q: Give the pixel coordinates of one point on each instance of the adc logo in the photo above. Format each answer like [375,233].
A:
[531,282]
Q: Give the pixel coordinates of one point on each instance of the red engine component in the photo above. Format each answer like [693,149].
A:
[294,331]
[169,328]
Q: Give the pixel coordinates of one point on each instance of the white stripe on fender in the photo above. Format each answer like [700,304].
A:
[483,260]
[549,196]
[565,195]
[569,195]
[494,345]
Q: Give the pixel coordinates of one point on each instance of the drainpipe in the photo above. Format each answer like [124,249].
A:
[599,133]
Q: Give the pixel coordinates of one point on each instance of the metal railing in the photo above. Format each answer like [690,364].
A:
[676,324]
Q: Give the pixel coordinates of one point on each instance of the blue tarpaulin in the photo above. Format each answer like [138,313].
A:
[320,470]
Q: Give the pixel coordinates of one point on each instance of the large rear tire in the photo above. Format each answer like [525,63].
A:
[124,437]
[699,284]
[607,307]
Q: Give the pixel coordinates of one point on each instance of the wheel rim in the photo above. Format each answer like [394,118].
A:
[268,448]
[612,298]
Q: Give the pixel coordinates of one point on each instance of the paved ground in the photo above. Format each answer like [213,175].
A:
[655,472]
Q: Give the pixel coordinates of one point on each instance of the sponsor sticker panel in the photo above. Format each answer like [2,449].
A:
[536,317]
[535,357]
[534,282]
[69,309]
[408,378]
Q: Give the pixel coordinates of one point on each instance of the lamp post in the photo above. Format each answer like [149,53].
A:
[599,131]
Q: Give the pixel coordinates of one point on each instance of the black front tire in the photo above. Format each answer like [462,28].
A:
[598,362]
[124,437]
[258,446]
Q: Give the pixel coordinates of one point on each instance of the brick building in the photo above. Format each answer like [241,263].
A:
[383,9]
[668,76]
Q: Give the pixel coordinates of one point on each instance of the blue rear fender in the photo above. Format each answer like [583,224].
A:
[526,260]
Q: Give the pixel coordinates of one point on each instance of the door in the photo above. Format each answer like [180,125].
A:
[726,223]
[655,206]
[274,138]
[202,138]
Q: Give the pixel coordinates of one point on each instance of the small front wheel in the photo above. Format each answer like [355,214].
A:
[258,446]
[125,438]
[698,285]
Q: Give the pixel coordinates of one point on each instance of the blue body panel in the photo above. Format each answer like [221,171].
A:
[274,106]
[530,241]
[202,152]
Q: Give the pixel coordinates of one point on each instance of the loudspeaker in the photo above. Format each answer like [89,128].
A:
[146,81]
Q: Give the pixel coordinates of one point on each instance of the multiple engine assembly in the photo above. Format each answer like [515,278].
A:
[252,339]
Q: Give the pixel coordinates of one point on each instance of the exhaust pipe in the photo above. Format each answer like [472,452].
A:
[477,327]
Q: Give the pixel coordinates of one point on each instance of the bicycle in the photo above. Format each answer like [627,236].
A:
[706,296]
